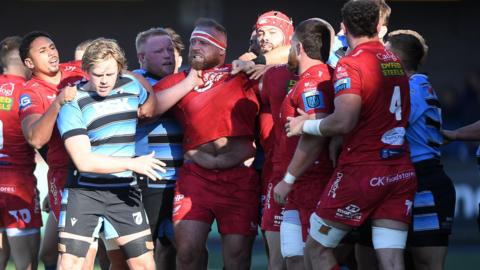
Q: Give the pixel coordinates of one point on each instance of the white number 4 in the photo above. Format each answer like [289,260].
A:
[396,103]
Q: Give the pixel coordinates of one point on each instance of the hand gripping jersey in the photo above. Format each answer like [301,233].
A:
[313,93]
[37,96]
[15,152]
[377,76]
[110,123]
[423,133]
[224,106]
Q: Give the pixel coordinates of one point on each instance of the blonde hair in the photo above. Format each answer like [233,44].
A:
[102,49]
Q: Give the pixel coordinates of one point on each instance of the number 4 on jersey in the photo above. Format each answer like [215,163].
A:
[396,103]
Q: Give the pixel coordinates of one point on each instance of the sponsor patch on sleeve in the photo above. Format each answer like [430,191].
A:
[25,101]
[313,100]
[342,84]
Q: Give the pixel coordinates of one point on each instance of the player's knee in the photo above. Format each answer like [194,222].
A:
[137,247]
[291,242]
[324,234]
[388,238]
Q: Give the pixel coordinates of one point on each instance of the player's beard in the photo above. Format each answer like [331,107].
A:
[292,62]
[204,62]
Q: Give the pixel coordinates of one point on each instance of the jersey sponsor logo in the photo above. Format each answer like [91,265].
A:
[387,56]
[342,84]
[394,136]
[112,106]
[137,217]
[390,179]
[313,100]
[392,69]
[333,189]
[6,103]
[351,212]
[210,78]
[25,101]
[70,68]
[387,153]
[7,189]
[6,89]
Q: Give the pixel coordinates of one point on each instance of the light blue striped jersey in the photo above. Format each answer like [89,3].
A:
[423,133]
[109,122]
[164,136]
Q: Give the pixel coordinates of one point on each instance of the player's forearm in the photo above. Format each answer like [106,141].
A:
[149,108]
[468,133]
[38,131]
[335,125]
[308,150]
[96,163]
[166,99]
[277,56]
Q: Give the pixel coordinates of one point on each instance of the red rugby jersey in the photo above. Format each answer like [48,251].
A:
[224,106]
[377,76]
[37,96]
[313,93]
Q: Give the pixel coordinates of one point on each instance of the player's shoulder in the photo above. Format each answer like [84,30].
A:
[278,70]
[72,68]
[170,80]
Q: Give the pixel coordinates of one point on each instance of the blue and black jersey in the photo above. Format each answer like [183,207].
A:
[110,123]
[423,133]
[164,136]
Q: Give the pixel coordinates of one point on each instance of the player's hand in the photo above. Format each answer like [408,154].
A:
[67,94]
[280,192]
[448,135]
[194,77]
[148,165]
[249,56]
[241,66]
[294,125]
[46,205]
[257,71]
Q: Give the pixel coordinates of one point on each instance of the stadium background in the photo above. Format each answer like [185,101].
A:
[450,28]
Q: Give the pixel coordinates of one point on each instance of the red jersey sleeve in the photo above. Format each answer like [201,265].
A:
[169,81]
[31,102]
[312,97]
[347,79]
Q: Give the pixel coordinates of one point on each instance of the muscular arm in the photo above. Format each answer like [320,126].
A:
[38,128]
[466,133]
[166,99]
[308,149]
[278,55]
[79,149]
[147,109]
[344,118]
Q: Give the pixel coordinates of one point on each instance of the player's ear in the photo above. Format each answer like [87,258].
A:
[29,63]
[342,26]
[299,48]
[140,57]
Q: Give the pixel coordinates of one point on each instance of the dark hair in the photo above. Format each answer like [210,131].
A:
[409,46]
[8,46]
[176,39]
[361,17]
[315,36]
[27,41]
[211,23]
